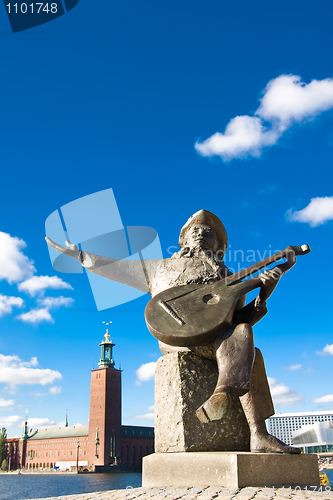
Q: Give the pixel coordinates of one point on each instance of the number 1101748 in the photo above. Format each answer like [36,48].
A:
[32,8]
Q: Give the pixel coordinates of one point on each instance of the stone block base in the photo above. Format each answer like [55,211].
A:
[183,382]
[230,470]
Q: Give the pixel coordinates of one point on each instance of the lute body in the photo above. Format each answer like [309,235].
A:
[191,315]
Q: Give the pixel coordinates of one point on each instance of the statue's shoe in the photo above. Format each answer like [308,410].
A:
[270,444]
[214,408]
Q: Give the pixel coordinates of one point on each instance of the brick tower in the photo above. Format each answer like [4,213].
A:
[105,409]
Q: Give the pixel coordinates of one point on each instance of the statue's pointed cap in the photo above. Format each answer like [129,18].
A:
[209,219]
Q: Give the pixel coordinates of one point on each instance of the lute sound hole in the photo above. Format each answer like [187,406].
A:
[210,299]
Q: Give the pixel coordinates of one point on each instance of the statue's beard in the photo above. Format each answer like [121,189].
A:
[206,266]
[195,250]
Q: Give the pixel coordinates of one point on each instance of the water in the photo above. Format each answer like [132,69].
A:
[25,486]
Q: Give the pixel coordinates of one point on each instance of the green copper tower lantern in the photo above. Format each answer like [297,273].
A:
[106,360]
[25,435]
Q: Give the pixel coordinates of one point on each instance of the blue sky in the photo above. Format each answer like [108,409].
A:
[121,95]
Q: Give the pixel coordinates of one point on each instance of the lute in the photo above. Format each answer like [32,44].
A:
[189,315]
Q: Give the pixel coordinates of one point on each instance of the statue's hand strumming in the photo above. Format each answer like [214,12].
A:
[269,279]
[70,249]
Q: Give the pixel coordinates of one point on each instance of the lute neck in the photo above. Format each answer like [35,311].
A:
[289,253]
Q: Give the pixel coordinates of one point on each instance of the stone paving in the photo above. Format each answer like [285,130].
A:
[210,493]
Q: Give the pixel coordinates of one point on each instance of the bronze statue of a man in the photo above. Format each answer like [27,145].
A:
[203,242]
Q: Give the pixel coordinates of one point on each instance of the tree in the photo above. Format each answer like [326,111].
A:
[4,464]
[3,449]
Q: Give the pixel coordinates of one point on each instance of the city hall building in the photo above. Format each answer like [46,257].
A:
[97,446]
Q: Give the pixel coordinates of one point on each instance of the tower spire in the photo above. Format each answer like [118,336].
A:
[106,360]
[25,428]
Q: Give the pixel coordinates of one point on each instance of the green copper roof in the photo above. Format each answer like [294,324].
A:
[82,431]
[106,360]
[61,432]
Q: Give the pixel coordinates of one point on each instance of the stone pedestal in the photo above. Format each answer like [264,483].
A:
[229,470]
[183,382]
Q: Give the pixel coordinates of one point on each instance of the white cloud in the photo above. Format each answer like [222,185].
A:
[324,399]
[286,100]
[146,416]
[7,403]
[38,284]
[243,136]
[293,368]
[14,265]
[37,423]
[318,211]
[145,372]
[289,100]
[55,390]
[36,316]
[282,395]
[328,349]
[14,371]
[7,303]
[16,361]
[33,361]
[9,421]
[45,423]
[53,302]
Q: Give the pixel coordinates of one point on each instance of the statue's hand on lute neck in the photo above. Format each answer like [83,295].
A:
[269,279]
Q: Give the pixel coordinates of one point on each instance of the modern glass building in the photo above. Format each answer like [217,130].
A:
[284,425]
[315,438]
